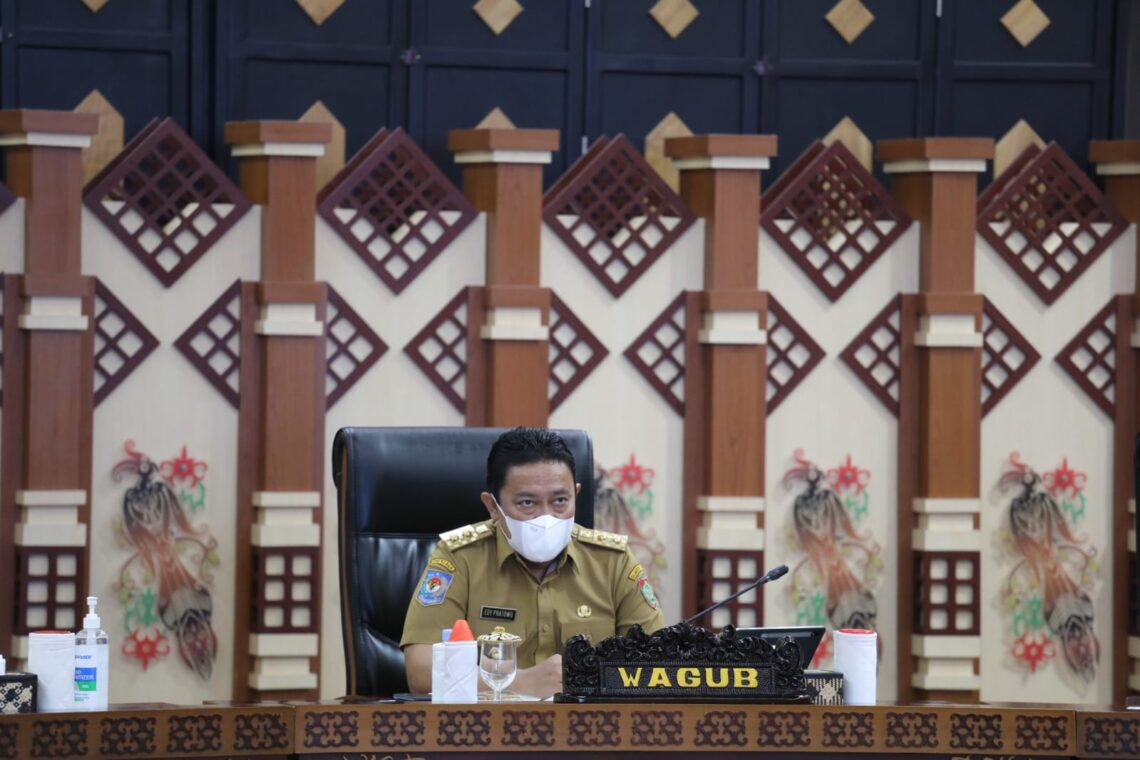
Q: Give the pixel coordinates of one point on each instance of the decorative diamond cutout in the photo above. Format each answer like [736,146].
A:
[575,352]
[122,342]
[165,200]
[1025,20]
[394,208]
[849,18]
[1090,358]
[670,126]
[832,217]
[1007,357]
[440,350]
[213,343]
[874,355]
[847,132]
[95,5]
[1049,223]
[497,14]
[495,119]
[351,348]
[615,213]
[320,10]
[792,354]
[333,159]
[674,16]
[108,141]
[1013,144]
[659,354]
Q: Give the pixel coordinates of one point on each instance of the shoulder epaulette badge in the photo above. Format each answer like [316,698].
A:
[602,538]
[468,534]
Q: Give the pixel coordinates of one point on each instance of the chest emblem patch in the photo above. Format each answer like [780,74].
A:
[584,611]
[647,592]
[433,587]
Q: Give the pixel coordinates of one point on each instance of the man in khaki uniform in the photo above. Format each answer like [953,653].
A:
[529,569]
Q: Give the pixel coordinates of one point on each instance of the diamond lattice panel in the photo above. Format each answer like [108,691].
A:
[874,355]
[1007,357]
[212,343]
[165,200]
[351,348]
[615,212]
[394,208]
[440,350]
[122,342]
[574,352]
[659,354]
[1050,223]
[792,354]
[1090,358]
[832,217]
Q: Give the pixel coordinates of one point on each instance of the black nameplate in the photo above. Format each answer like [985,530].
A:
[682,663]
[496,613]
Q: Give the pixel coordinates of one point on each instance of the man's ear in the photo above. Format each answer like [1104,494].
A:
[489,502]
[577,488]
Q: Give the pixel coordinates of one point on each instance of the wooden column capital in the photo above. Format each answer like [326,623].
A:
[935,155]
[47,129]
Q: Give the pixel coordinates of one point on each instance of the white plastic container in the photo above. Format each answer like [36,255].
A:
[856,657]
[455,670]
[92,660]
[51,656]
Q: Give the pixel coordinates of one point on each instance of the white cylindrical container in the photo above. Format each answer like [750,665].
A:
[51,656]
[856,657]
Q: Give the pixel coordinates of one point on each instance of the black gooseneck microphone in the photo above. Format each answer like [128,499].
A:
[776,572]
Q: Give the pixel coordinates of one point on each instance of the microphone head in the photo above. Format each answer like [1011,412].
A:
[777,572]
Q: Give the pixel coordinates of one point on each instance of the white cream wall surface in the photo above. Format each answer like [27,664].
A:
[393,392]
[619,408]
[832,414]
[1046,418]
[163,405]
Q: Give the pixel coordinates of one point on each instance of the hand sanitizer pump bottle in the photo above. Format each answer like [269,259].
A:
[92,650]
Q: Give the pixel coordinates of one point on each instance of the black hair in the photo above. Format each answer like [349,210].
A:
[522,446]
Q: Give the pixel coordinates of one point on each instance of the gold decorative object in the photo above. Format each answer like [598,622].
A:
[849,18]
[320,10]
[498,14]
[670,126]
[1025,21]
[848,133]
[495,119]
[95,5]
[108,141]
[674,16]
[1012,144]
[333,159]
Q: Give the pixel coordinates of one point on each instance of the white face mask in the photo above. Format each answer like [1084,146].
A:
[540,539]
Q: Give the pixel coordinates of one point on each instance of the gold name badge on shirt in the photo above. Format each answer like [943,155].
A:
[584,611]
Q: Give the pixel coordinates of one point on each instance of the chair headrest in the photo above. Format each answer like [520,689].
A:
[397,462]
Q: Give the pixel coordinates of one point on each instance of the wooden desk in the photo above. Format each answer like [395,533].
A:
[376,731]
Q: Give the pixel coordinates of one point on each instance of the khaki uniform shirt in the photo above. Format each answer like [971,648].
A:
[597,587]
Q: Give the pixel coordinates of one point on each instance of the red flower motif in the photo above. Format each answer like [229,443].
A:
[1033,651]
[632,475]
[848,476]
[184,468]
[144,648]
[1063,479]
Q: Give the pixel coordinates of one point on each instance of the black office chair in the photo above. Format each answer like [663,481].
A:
[398,489]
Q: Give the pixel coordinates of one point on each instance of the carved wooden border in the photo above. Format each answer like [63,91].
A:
[615,213]
[163,195]
[1103,323]
[825,212]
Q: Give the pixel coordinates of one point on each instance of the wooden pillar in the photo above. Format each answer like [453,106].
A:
[45,443]
[1118,162]
[508,363]
[940,404]
[281,418]
[726,367]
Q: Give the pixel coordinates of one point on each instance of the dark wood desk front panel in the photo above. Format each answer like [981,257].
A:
[376,731]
